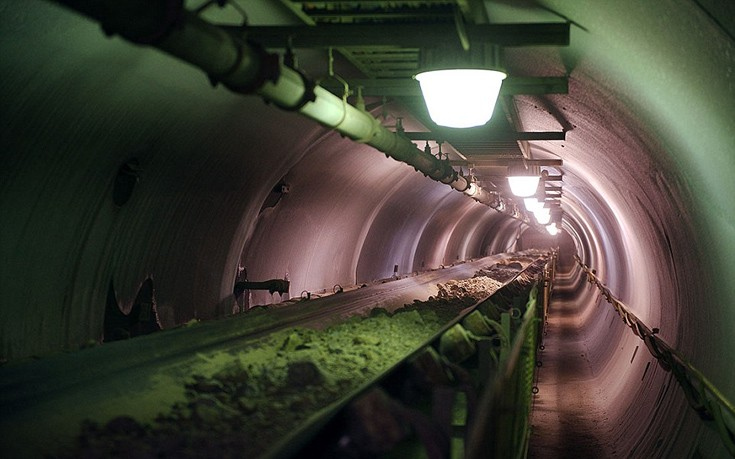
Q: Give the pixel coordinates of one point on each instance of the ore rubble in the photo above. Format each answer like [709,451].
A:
[254,397]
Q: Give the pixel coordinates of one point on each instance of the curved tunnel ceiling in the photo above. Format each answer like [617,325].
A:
[648,162]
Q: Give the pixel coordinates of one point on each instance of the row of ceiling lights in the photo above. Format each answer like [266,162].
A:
[466,97]
[461,84]
[460,87]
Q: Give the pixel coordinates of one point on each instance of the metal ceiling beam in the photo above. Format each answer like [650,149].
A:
[406,35]
[489,177]
[484,136]
[502,162]
[348,16]
[371,1]
[407,87]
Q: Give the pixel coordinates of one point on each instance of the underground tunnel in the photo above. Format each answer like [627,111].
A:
[196,161]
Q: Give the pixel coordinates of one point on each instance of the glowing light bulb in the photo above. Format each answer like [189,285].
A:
[552,229]
[543,215]
[532,204]
[461,98]
[523,186]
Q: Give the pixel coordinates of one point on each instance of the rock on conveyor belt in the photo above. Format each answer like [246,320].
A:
[476,288]
[485,282]
[239,403]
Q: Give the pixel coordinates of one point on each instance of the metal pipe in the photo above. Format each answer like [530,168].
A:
[245,68]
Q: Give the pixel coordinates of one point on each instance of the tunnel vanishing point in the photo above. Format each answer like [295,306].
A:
[140,140]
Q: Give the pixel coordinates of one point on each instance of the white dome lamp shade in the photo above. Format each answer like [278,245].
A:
[524,181]
[543,218]
[532,204]
[462,97]
[543,215]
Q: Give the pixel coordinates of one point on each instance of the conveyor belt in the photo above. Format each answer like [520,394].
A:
[43,402]
[408,410]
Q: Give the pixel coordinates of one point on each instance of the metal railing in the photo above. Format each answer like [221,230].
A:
[504,431]
[702,395]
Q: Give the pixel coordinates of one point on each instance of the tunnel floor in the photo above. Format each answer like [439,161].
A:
[566,420]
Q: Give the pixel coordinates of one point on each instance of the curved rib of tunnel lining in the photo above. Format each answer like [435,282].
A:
[647,186]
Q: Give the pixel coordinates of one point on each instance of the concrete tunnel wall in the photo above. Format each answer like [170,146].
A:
[648,183]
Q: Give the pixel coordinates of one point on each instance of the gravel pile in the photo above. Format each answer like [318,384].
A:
[502,272]
[475,288]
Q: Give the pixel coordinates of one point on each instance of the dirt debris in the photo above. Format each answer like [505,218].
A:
[241,403]
[475,288]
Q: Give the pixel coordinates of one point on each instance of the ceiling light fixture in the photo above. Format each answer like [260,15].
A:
[552,229]
[461,98]
[532,204]
[523,181]
[461,86]
[542,214]
[543,218]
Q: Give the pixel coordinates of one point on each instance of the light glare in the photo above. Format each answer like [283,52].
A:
[461,98]
[532,204]
[543,216]
[523,186]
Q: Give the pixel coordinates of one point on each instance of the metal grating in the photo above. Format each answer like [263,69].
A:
[381,62]
[378,12]
[494,148]
[384,62]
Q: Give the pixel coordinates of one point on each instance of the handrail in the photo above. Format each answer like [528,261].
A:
[504,430]
[701,394]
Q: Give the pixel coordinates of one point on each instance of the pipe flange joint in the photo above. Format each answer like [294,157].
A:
[308,96]
[438,171]
[451,177]
[215,78]
[269,69]
[448,174]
